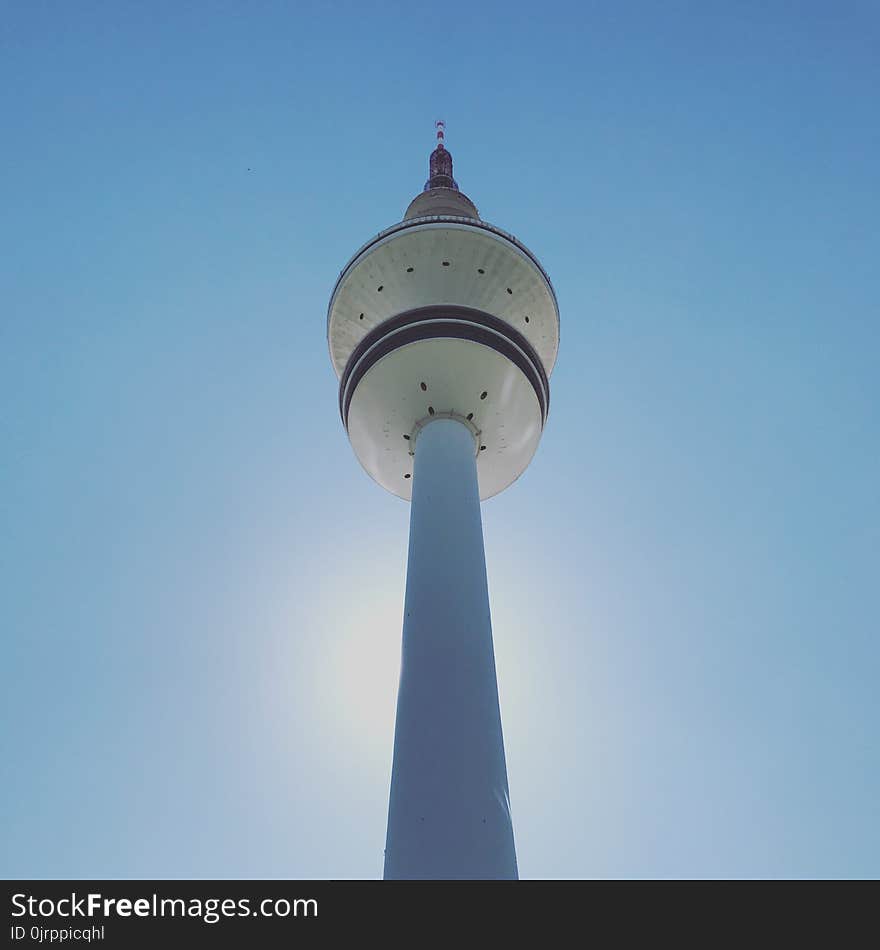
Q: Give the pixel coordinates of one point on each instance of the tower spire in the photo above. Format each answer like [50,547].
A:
[440,163]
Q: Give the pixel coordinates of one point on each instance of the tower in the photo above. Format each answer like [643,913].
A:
[443,330]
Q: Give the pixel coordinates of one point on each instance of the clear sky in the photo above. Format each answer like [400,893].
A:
[200,589]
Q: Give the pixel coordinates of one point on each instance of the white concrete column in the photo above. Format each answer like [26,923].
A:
[449,814]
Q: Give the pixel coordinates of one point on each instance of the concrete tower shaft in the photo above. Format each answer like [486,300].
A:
[449,811]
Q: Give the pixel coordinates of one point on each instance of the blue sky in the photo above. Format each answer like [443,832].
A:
[200,589]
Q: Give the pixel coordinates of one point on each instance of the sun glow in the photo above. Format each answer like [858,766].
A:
[358,669]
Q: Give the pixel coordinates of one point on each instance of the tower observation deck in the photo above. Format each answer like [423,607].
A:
[443,330]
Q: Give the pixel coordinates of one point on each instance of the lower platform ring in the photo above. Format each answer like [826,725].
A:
[443,322]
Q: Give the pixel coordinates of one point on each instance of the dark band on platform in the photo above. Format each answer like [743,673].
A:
[443,322]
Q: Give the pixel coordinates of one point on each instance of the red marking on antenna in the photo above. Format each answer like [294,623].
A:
[441,131]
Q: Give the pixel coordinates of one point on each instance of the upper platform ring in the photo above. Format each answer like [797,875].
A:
[442,259]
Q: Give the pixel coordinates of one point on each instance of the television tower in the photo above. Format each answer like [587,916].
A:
[443,330]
